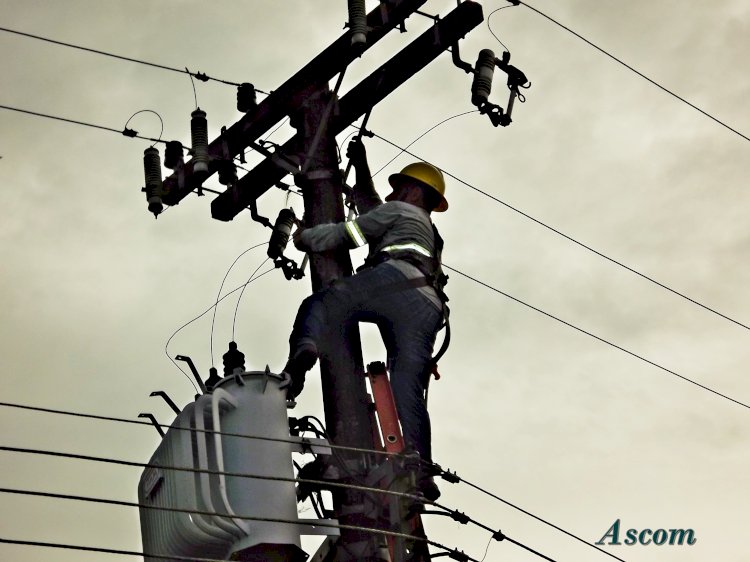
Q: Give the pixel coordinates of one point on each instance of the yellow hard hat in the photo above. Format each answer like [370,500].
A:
[425,174]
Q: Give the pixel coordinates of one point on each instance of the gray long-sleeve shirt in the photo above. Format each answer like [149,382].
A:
[383,225]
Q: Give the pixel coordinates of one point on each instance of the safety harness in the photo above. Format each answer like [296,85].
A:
[431,269]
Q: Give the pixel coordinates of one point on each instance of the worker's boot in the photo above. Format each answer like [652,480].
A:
[303,360]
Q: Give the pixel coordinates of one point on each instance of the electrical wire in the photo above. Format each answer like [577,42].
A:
[446,474]
[125,132]
[106,550]
[161,122]
[453,553]
[458,516]
[435,126]
[199,75]
[242,292]
[496,535]
[571,239]
[493,33]
[121,462]
[312,523]
[639,73]
[509,504]
[652,363]
[221,287]
[166,345]
[196,430]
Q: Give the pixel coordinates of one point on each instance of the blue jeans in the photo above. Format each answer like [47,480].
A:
[408,323]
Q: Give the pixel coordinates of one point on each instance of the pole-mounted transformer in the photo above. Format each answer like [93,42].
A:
[154,188]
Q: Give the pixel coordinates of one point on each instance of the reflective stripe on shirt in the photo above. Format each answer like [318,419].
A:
[354,232]
[409,246]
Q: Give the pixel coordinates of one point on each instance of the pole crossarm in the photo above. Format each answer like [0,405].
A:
[289,96]
[373,89]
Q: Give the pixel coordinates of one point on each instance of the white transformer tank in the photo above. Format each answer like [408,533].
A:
[224,508]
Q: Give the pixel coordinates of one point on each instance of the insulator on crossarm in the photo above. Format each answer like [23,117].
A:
[246,100]
[152,172]
[281,231]
[227,172]
[173,154]
[483,72]
[358,22]
[199,135]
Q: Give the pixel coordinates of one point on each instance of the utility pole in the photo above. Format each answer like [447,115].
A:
[318,117]
[344,393]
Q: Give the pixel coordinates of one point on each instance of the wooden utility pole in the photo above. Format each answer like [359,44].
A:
[345,396]
[319,117]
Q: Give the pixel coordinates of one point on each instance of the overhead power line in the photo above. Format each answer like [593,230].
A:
[652,363]
[570,238]
[497,535]
[199,75]
[122,462]
[447,475]
[638,72]
[509,504]
[125,132]
[453,553]
[196,430]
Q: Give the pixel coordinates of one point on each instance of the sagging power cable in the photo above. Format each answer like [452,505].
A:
[221,287]
[570,238]
[645,360]
[198,75]
[456,478]
[312,523]
[453,553]
[186,324]
[447,475]
[125,132]
[632,69]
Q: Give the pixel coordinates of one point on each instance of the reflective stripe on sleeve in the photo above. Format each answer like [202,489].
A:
[409,246]
[352,228]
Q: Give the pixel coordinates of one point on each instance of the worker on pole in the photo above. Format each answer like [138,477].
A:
[399,288]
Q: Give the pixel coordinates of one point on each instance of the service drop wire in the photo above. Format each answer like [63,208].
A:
[497,38]
[166,346]
[435,126]
[218,295]
[242,292]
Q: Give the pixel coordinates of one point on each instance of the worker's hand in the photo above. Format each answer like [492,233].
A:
[297,239]
[356,151]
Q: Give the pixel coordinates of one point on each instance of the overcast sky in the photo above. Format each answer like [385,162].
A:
[551,419]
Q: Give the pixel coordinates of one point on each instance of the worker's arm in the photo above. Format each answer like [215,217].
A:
[352,234]
[365,196]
